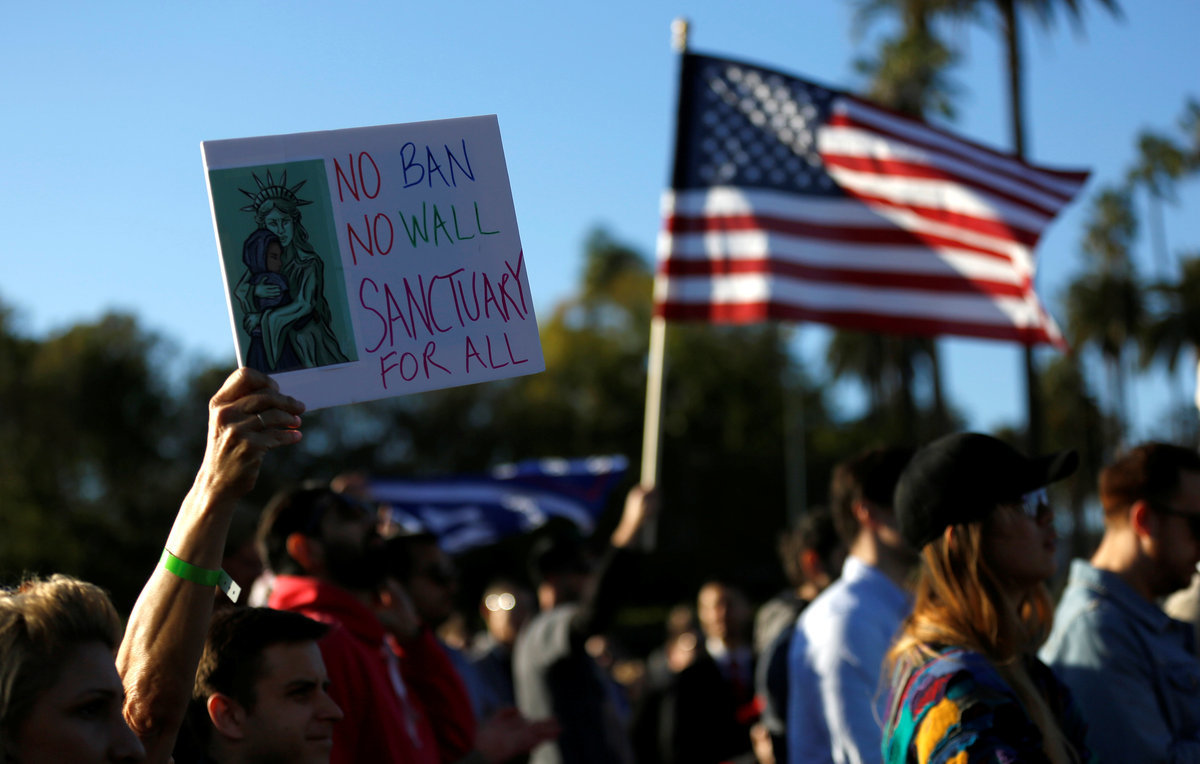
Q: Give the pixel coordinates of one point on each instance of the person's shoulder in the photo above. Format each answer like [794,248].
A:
[548,618]
[958,677]
[847,609]
[1084,597]
[545,636]
[957,705]
[1090,627]
[958,661]
[836,598]
[483,648]
[1086,616]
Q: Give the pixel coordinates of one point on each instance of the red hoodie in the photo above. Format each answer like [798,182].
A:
[382,692]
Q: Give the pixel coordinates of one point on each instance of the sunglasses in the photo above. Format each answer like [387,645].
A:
[1193,518]
[1035,504]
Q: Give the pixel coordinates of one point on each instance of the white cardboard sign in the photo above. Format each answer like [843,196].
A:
[365,263]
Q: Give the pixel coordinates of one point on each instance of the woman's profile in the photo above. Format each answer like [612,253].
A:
[60,695]
[298,333]
[966,682]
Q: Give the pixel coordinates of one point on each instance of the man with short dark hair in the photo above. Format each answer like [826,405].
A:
[262,693]
[325,552]
[840,640]
[1132,668]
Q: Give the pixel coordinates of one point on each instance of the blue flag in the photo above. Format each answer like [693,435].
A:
[469,511]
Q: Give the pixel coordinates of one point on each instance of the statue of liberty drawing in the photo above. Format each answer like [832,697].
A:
[282,291]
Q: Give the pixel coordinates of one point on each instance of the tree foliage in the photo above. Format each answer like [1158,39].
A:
[89,477]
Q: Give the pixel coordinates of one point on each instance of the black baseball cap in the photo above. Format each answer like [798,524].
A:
[960,478]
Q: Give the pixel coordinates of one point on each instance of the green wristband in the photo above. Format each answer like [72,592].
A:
[199,575]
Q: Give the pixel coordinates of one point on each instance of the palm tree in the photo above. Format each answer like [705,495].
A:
[870,358]
[1106,311]
[888,367]
[1075,422]
[1008,11]
[1161,164]
[1105,306]
[907,75]
[909,72]
[1190,123]
[1175,324]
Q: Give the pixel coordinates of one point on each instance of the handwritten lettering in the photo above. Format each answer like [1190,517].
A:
[417,171]
[472,352]
[358,178]
[423,227]
[408,365]
[417,306]
[497,358]
[373,242]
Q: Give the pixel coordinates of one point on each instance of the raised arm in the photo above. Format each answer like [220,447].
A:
[615,575]
[158,656]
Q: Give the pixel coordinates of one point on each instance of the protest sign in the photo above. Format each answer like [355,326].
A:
[365,263]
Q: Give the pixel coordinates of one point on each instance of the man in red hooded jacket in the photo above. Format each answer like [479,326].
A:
[326,553]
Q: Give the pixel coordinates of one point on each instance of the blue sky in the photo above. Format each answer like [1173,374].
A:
[102,194]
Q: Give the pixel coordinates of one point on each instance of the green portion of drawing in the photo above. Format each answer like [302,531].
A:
[287,284]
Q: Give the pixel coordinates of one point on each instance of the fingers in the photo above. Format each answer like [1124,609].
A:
[254,393]
[284,435]
[641,502]
[250,409]
[641,505]
[245,382]
[240,383]
[277,418]
[264,418]
[248,417]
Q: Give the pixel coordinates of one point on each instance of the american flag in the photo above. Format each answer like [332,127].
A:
[796,202]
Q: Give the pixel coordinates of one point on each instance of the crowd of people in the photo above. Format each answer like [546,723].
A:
[917,627]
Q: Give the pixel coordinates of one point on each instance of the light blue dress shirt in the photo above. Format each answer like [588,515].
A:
[835,664]
[1132,669]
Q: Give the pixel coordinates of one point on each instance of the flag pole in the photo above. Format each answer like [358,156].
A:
[655,372]
[656,361]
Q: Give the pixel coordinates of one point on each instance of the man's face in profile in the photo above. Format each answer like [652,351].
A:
[293,716]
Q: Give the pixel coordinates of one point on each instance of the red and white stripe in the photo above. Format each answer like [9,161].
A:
[936,237]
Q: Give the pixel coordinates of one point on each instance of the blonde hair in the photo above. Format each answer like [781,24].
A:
[959,603]
[41,621]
